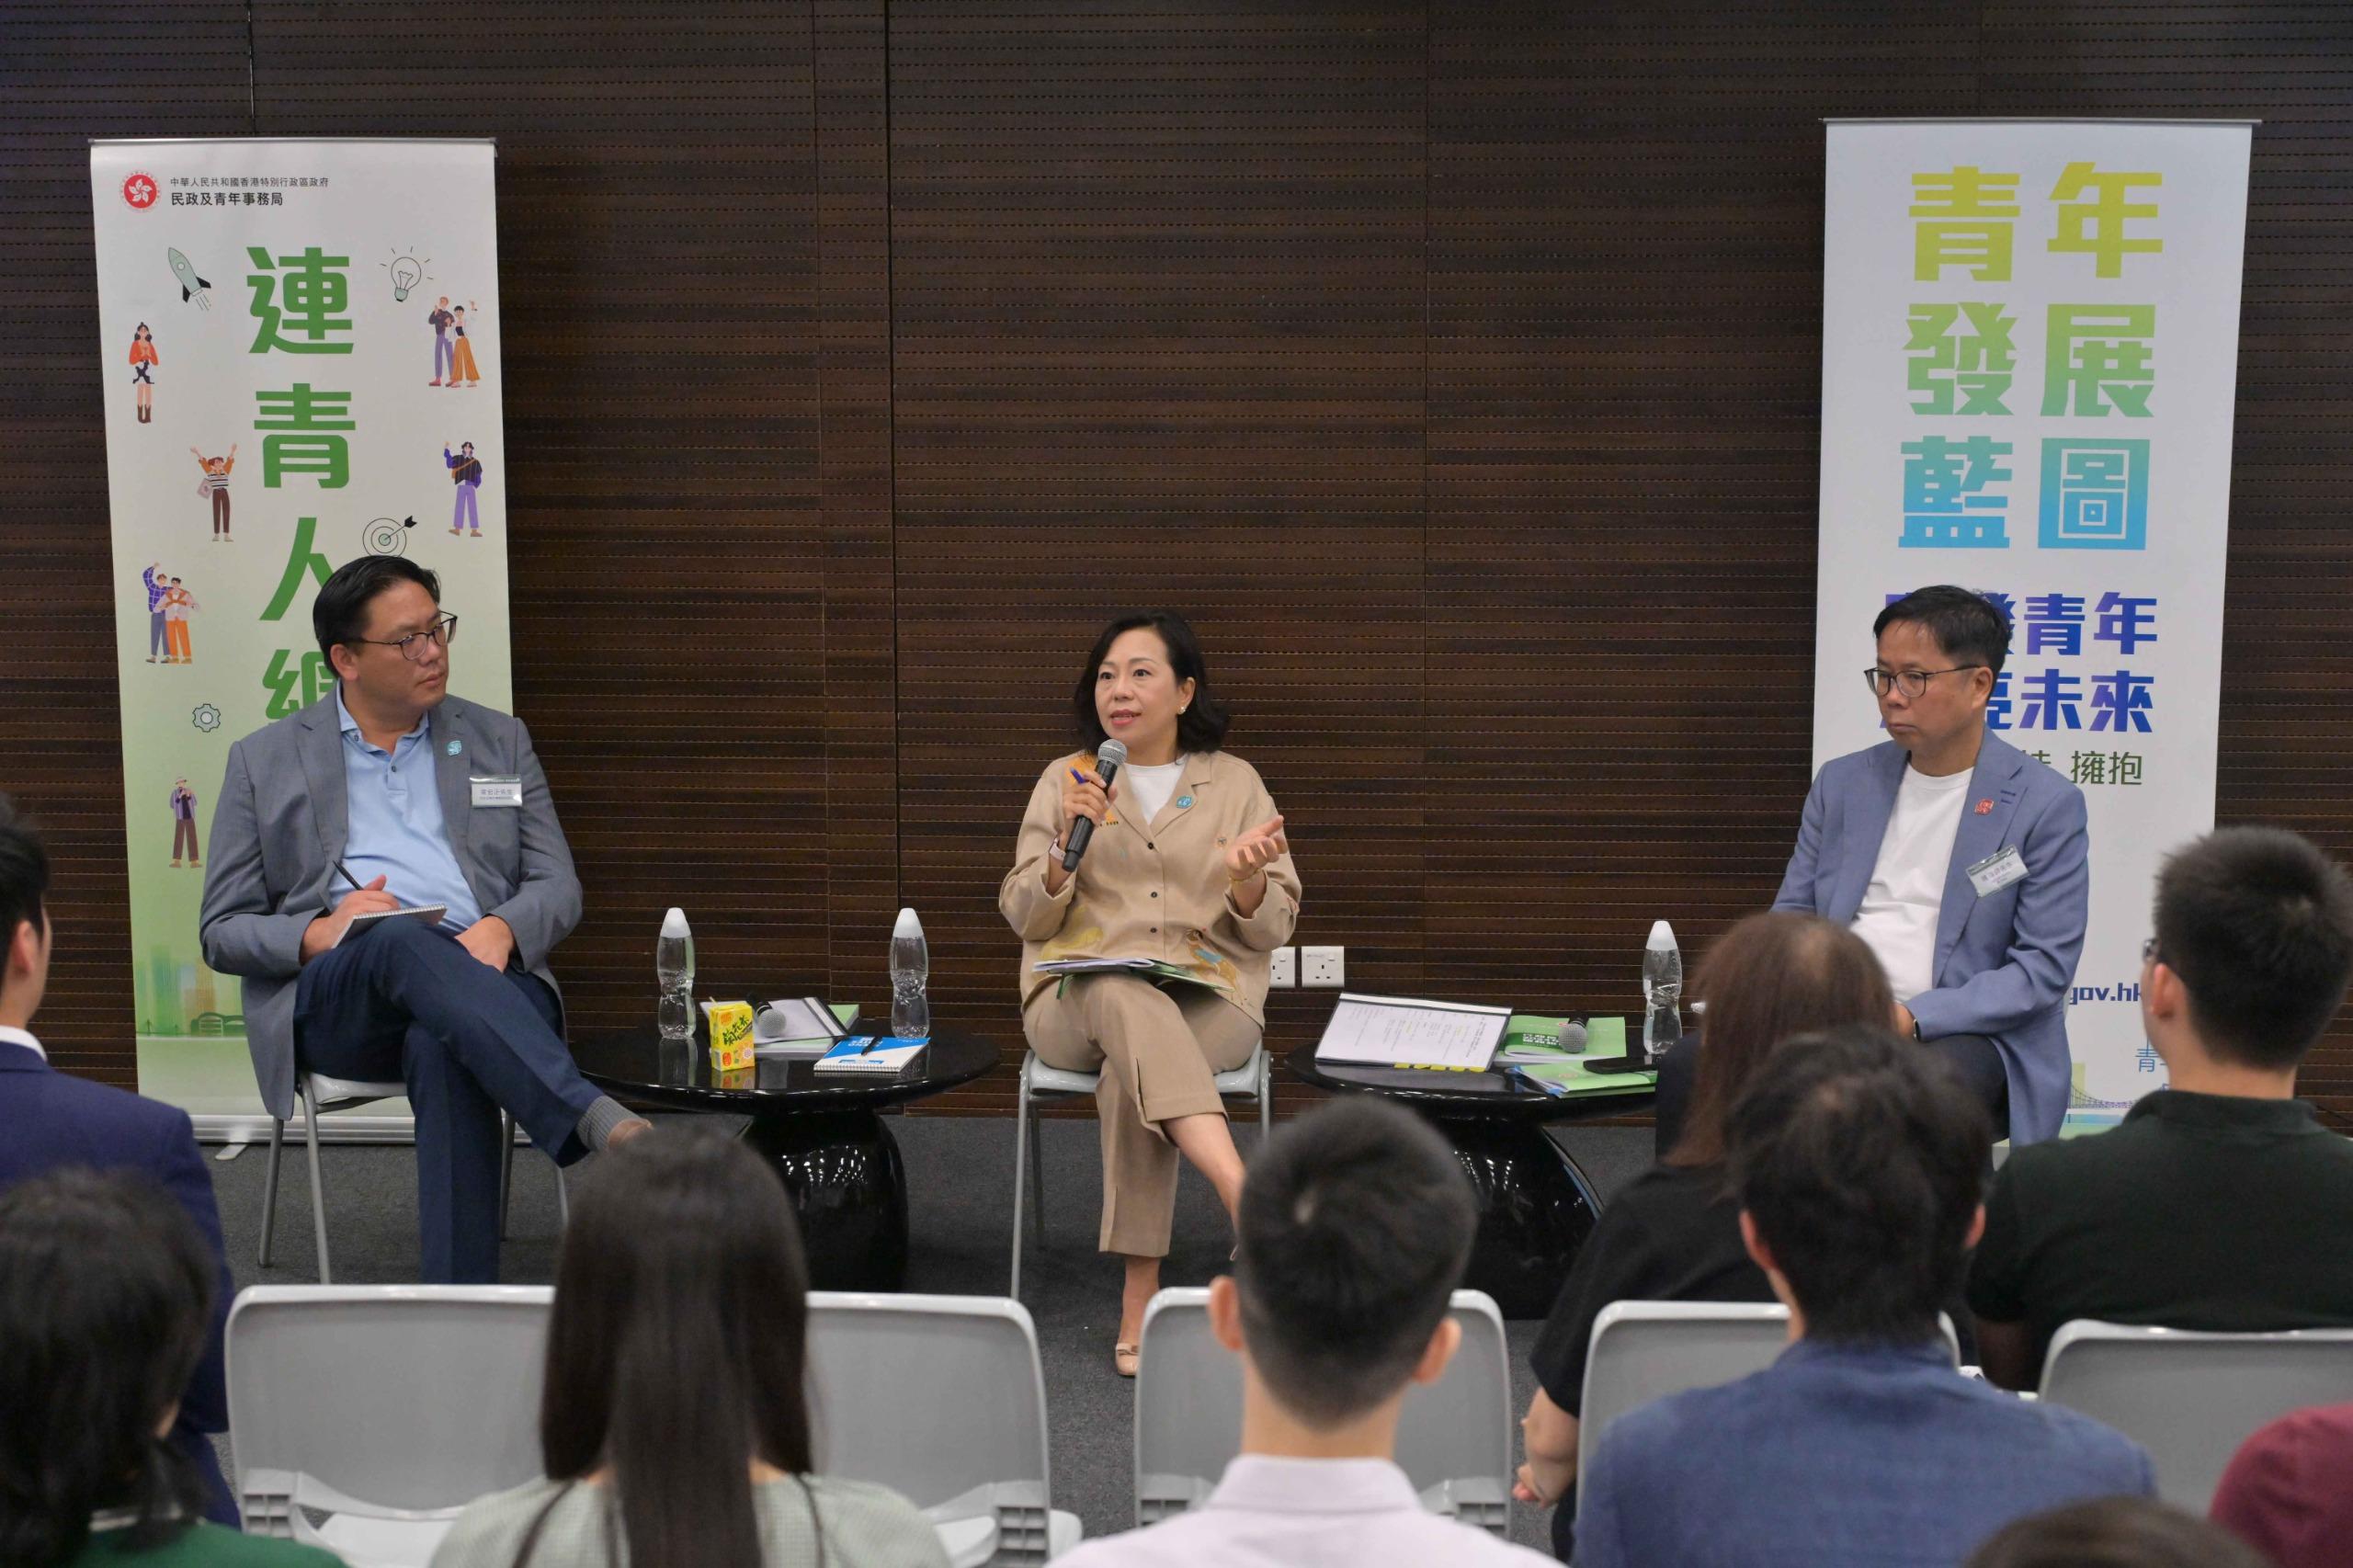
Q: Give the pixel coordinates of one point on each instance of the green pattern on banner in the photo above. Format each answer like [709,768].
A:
[267,312]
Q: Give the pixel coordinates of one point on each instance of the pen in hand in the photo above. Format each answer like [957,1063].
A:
[356,888]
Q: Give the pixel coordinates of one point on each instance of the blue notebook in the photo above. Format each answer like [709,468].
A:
[871,1053]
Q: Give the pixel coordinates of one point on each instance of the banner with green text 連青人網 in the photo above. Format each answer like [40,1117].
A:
[299,341]
[2030,361]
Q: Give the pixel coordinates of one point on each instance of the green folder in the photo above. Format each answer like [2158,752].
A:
[1534,1040]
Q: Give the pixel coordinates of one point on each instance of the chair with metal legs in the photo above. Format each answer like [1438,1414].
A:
[321,1092]
[1044,1085]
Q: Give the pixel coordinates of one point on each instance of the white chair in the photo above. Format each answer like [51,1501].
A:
[1643,1351]
[943,1400]
[362,1418]
[1042,1085]
[321,1092]
[1454,1438]
[2192,1399]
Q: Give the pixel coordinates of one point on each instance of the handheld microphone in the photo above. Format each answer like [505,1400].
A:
[1107,763]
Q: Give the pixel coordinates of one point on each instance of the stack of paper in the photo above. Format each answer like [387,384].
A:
[1407,1031]
[1565,1072]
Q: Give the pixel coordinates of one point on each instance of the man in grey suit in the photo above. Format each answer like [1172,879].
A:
[394,794]
[1964,864]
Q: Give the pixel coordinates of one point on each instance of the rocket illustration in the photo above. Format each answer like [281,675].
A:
[191,286]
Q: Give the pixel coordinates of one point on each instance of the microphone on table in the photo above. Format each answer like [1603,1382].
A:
[1107,763]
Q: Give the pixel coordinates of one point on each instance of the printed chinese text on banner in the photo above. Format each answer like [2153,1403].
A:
[301,351]
[2029,359]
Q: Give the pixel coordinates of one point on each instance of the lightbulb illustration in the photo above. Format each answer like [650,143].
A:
[406,275]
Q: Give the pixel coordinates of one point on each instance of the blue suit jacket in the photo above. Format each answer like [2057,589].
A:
[2003,962]
[49,1119]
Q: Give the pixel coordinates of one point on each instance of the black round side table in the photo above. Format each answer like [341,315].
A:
[818,1130]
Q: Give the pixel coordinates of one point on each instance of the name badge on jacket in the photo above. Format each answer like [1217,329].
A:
[1997,870]
[508,793]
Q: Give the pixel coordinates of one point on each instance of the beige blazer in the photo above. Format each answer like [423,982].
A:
[1156,888]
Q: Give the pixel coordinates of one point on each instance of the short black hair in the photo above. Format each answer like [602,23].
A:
[340,612]
[1202,725]
[24,872]
[2115,1532]
[1860,1160]
[1356,1223]
[1969,627]
[2259,924]
[105,1298]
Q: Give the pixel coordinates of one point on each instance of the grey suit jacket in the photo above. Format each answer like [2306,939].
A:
[279,826]
[2003,962]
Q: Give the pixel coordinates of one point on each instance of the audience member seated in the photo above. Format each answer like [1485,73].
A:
[2114,1532]
[1674,1233]
[1857,1159]
[106,1304]
[2221,1203]
[675,1427]
[2289,1489]
[1355,1223]
[49,1119]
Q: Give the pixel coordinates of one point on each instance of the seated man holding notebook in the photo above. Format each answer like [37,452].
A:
[394,795]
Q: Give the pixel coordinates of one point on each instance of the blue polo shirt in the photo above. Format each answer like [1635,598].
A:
[393,823]
[1836,1454]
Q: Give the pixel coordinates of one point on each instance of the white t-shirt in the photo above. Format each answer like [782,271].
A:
[1898,916]
[1148,788]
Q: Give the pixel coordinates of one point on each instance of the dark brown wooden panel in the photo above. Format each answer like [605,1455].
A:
[658,218]
[1157,294]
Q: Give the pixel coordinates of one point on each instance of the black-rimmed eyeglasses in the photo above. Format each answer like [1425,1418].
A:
[413,646]
[1914,682]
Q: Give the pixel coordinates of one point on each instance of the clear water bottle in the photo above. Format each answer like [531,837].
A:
[1662,991]
[674,967]
[910,975]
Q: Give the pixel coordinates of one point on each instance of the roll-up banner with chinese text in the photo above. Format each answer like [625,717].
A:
[299,341]
[2029,358]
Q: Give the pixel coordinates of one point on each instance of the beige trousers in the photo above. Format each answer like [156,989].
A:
[1157,1050]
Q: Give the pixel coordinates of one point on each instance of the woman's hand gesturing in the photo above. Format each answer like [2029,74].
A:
[1255,850]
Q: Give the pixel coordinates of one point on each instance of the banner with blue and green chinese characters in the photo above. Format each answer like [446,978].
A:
[299,341]
[2030,352]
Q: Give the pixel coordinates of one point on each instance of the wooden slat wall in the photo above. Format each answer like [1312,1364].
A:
[1456,367]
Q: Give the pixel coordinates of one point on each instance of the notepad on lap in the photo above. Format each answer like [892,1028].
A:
[431,913]
[881,1056]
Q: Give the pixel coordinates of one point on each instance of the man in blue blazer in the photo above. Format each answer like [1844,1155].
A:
[48,1120]
[1965,863]
[391,793]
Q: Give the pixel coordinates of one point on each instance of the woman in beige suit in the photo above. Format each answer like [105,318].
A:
[1188,864]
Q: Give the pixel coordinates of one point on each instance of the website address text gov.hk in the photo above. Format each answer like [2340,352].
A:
[2129,991]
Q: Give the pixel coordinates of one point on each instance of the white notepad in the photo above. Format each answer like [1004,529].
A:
[431,913]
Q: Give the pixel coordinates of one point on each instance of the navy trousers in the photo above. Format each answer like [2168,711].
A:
[402,1000]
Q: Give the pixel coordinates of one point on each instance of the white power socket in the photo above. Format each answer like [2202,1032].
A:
[1282,969]
[1324,968]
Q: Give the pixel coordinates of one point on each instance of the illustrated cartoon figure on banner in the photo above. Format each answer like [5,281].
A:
[215,483]
[440,320]
[191,286]
[177,605]
[158,587]
[465,472]
[144,359]
[462,363]
[184,821]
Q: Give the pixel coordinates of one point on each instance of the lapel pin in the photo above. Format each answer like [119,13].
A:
[1183,801]
[457,746]
[1984,808]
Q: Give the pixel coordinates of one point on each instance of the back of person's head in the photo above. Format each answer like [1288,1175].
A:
[105,1296]
[2289,1490]
[2259,924]
[1768,978]
[24,880]
[1858,1163]
[677,1347]
[2113,1532]
[1356,1222]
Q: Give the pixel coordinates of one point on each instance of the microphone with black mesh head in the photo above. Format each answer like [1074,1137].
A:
[1107,763]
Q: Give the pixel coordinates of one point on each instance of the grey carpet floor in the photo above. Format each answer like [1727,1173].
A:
[959,1175]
